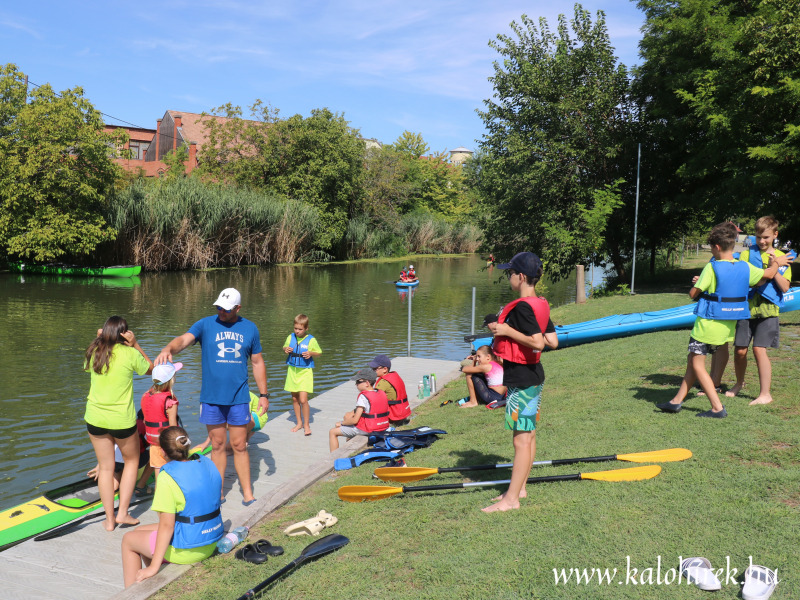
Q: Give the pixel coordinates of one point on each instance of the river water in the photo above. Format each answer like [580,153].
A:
[355,312]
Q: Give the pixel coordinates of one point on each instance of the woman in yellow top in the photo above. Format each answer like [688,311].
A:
[112,359]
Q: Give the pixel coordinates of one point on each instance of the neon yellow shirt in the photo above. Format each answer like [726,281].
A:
[759,307]
[713,331]
[110,400]
[170,499]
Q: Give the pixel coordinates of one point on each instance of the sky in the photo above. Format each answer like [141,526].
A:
[386,66]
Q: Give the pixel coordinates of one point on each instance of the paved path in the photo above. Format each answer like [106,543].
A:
[85,564]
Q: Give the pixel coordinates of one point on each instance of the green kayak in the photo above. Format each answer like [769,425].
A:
[75,270]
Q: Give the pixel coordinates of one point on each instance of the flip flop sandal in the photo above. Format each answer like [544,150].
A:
[698,571]
[759,583]
[310,526]
[248,553]
[265,547]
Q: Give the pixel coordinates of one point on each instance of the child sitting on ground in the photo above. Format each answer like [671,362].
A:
[721,292]
[484,380]
[371,412]
[301,348]
[160,409]
[766,300]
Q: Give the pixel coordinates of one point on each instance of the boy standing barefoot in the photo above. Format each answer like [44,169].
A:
[522,330]
[765,301]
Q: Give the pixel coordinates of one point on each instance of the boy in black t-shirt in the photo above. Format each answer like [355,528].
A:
[523,330]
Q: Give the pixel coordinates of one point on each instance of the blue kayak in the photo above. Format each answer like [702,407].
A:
[614,326]
[407,284]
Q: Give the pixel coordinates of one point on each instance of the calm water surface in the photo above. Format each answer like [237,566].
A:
[355,312]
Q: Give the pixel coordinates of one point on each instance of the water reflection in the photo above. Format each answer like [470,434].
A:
[47,322]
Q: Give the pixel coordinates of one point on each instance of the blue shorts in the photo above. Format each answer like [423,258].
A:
[218,414]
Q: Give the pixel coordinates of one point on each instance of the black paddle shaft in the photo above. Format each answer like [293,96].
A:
[456,486]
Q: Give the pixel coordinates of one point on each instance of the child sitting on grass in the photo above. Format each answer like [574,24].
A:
[371,412]
[721,291]
[484,379]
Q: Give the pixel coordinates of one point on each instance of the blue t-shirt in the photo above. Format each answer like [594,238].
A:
[225,350]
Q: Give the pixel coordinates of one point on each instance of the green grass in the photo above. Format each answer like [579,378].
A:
[737,497]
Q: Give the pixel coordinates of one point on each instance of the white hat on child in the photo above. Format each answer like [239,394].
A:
[163,373]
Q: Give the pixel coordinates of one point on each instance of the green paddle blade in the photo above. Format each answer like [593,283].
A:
[631,474]
[671,455]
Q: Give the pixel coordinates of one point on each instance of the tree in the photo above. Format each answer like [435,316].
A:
[317,159]
[56,169]
[411,143]
[556,129]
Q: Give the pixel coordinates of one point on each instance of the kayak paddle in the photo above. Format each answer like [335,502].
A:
[359,493]
[403,474]
[316,549]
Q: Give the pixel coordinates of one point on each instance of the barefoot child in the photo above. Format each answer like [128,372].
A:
[301,348]
[160,409]
[522,330]
[484,379]
[721,292]
[371,412]
[765,301]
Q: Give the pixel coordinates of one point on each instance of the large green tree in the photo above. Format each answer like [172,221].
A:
[56,169]
[557,126]
[317,159]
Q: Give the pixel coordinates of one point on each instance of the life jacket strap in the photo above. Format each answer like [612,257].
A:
[201,519]
[156,424]
[375,416]
[715,298]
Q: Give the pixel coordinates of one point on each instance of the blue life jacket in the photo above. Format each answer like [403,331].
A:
[769,290]
[295,358]
[200,522]
[729,301]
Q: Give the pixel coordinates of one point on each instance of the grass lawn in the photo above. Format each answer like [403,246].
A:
[739,496]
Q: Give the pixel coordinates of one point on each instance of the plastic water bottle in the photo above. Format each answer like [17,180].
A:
[426,386]
[420,393]
[231,539]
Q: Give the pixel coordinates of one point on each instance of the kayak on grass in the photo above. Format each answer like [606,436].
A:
[75,270]
[615,326]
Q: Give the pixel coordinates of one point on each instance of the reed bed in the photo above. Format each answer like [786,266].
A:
[188,224]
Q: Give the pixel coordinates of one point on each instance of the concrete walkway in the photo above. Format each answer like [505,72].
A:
[85,564]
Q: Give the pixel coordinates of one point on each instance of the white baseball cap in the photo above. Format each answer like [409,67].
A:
[228,298]
[163,373]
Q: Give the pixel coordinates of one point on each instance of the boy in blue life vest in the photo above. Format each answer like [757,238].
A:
[762,328]
[522,330]
[301,348]
[721,293]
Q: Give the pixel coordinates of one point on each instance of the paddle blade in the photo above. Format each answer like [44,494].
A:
[632,474]
[671,455]
[403,474]
[362,493]
[323,546]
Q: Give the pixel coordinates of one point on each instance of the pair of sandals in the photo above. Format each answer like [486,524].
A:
[759,581]
[312,526]
[258,552]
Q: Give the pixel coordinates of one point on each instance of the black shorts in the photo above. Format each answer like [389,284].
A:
[763,332]
[117,434]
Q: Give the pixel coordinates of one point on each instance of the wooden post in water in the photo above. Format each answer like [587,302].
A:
[580,285]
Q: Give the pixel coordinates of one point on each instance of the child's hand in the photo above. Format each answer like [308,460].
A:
[287,350]
[129,337]
[93,472]
[695,278]
[306,354]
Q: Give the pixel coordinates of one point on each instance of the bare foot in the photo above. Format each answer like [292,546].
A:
[109,525]
[297,428]
[307,431]
[469,404]
[762,400]
[718,388]
[522,494]
[501,506]
[734,391]
[126,519]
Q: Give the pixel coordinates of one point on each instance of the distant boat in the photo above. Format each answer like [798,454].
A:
[407,284]
[616,326]
[75,270]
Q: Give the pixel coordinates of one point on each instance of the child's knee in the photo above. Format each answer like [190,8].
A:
[741,351]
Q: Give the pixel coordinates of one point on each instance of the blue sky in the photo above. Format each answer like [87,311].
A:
[388,66]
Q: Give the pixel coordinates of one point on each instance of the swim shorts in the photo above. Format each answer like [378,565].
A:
[118,434]
[763,332]
[522,408]
[696,347]
[219,414]
[157,457]
[350,431]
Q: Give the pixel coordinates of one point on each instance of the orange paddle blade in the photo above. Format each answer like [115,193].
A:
[632,474]
[404,473]
[671,455]
[362,493]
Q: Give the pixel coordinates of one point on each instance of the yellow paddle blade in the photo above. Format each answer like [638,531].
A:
[404,473]
[632,474]
[671,455]
[362,493]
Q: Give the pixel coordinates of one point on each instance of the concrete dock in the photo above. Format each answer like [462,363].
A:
[85,563]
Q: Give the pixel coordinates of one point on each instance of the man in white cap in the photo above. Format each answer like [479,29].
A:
[226,340]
